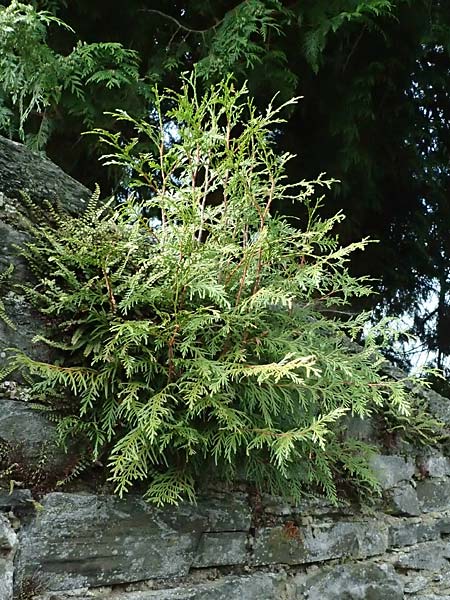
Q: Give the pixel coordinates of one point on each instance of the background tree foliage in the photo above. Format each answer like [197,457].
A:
[374,75]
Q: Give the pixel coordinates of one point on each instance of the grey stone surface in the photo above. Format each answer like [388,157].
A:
[8,546]
[407,532]
[14,499]
[22,170]
[360,429]
[431,597]
[436,465]
[258,586]
[221,549]
[30,435]
[305,507]
[351,582]
[438,406]
[416,583]
[225,512]
[79,540]
[434,494]
[443,525]
[27,324]
[391,470]
[428,556]
[403,500]
[357,539]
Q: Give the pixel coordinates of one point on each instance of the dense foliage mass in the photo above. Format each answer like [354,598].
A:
[375,114]
[210,339]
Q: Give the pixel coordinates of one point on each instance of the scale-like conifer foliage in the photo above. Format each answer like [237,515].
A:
[205,341]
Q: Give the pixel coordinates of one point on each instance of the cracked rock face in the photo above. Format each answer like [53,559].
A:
[81,540]
[352,582]
[8,546]
[22,171]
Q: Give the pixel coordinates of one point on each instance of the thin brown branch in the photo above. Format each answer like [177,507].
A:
[112,300]
[171,344]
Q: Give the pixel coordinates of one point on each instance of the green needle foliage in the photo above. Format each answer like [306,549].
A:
[39,86]
[206,340]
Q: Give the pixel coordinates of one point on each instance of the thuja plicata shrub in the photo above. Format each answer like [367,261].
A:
[197,332]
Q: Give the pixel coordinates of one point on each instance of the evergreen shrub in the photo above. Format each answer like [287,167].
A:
[198,333]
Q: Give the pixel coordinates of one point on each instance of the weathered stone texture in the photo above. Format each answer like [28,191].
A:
[434,494]
[391,470]
[8,545]
[403,500]
[259,586]
[30,435]
[22,170]
[351,582]
[305,545]
[79,540]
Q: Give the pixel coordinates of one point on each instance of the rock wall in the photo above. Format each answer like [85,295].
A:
[82,544]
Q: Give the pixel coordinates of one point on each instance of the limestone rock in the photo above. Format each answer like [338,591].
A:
[22,170]
[351,582]
[407,532]
[8,545]
[258,586]
[87,540]
[391,470]
[403,500]
[304,545]
[436,465]
[220,549]
[428,556]
[30,435]
[14,499]
[438,406]
[434,494]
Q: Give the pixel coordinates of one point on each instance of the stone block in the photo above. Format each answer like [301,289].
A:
[434,494]
[352,582]
[225,512]
[436,466]
[443,525]
[407,533]
[361,429]
[10,500]
[305,507]
[391,470]
[428,556]
[304,545]
[403,500]
[402,534]
[8,546]
[86,540]
[30,435]
[438,406]
[258,586]
[415,583]
[220,549]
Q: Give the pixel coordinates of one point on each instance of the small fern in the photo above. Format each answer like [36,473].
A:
[5,277]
